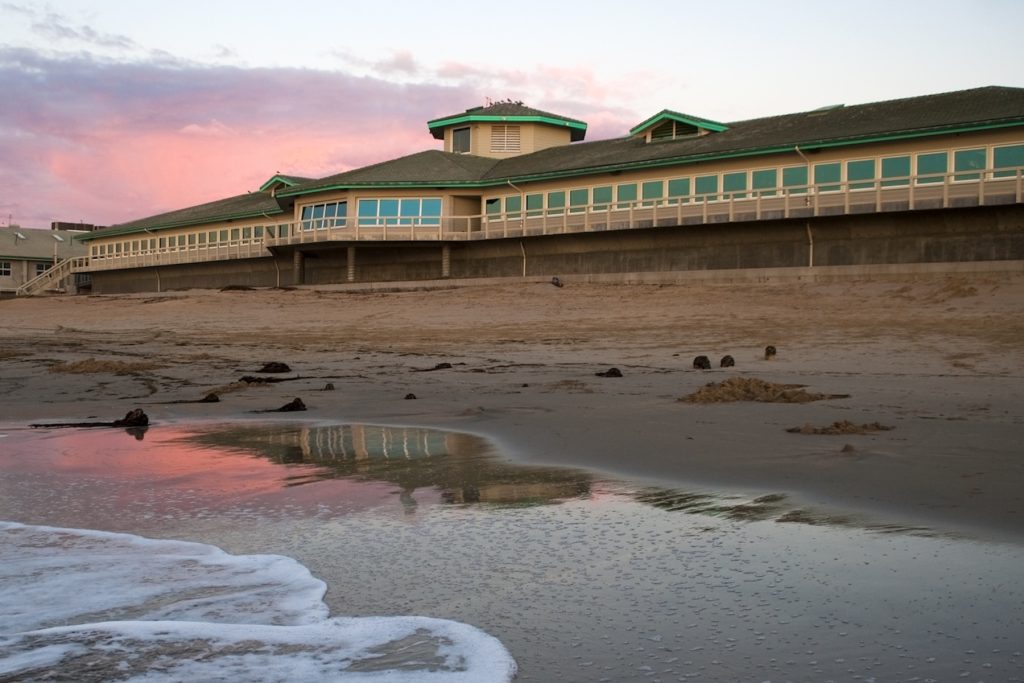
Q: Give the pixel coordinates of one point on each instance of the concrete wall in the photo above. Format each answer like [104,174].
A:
[952,235]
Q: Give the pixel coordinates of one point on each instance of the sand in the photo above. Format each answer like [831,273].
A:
[939,359]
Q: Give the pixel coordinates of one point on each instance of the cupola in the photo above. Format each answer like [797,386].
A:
[505,129]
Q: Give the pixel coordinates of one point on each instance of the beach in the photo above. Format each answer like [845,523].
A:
[936,358]
[849,520]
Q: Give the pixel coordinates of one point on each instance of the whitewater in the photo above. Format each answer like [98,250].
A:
[87,605]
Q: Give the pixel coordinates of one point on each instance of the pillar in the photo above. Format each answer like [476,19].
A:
[298,268]
[351,262]
[446,260]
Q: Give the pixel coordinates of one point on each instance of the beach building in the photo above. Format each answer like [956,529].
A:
[517,192]
[28,254]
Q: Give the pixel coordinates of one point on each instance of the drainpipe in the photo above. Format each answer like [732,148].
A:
[807,224]
[522,214]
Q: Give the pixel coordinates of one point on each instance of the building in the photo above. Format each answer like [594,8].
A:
[516,192]
[27,254]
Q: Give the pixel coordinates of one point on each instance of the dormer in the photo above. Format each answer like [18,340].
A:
[505,129]
[671,125]
[279,181]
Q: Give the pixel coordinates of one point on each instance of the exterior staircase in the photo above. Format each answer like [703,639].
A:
[53,279]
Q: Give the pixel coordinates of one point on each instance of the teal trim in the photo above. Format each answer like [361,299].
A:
[669,115]
[654,163]
[277,179]
[116,232]
[438,124]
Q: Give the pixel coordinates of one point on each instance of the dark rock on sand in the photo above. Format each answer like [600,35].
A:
[702,363]
[557,282]
[769,352]
[275,367]
[727,362]
[292,406]
[209,398]
[610,372]
[329,386]
[410,397]
[133,418]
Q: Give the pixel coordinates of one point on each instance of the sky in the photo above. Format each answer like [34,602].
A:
[112,110]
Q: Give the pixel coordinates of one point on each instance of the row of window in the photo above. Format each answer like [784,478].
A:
[41,267]
[929,167]
[195,240]
[374,213]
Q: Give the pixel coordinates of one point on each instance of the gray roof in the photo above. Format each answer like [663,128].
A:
[945,113]
[249,205]
[30,244]
[915,116]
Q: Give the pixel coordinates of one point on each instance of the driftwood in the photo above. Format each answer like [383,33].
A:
[133,418]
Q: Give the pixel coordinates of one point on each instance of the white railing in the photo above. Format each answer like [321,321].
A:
[932,191]
[51,278]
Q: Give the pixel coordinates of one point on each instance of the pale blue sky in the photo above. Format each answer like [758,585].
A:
[118,109]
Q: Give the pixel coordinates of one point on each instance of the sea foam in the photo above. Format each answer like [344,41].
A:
[90,605]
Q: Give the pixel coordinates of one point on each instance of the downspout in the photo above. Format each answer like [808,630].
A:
[807,224]
[522,212]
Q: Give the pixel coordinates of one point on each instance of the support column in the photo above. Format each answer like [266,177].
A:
[446,260]
[298,268]
[351,262]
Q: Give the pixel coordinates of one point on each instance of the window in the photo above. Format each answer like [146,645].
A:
[862,169]
[764,182]
[460,140]
[1008,157]
[42,268]
[534,204]
[706,187]
[556,203]
[257,232]
[896,167]
[493,206]
[202,238]
[734,184]
[405,211]
[234,234]
[321,216]
[513,205]
[625,194]
[932,167]
[578,200]
[246,233]
[654,189]
[163,242]
[504,138]
[602,197]
[794,179]
[222,236]
[827,173]
[966,160]
[679,190]
[5,268]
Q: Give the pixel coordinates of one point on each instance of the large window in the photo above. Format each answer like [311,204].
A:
[967,160]
[602,197]
[5,268]
[827,173]
[932,167]
[534,204]
[862,169]
[652,190]
[764,182]
[513,205]
[556,203]
[706,187]
[794,179]
[42,268]
[898,168]
[1008,157]
[403,211]
[578,200]
[625,194]
[321,216]
[460,140]
[734,184]
[679,190]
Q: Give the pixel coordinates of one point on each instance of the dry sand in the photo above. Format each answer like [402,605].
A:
[939,359]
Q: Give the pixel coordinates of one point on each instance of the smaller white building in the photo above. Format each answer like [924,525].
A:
[26,253]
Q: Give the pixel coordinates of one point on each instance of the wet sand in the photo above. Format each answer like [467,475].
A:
[939,359]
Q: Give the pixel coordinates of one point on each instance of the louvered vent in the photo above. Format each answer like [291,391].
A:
[505,138]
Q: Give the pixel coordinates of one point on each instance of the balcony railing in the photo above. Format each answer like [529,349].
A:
[981,187]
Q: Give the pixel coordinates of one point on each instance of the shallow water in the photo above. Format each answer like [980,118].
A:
[580,577]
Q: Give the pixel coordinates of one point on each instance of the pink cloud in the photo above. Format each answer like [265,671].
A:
[105,142]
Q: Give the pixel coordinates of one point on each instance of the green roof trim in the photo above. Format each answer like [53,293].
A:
[669,115]
[289,181]
[115,231]
[466,118]
[653,163]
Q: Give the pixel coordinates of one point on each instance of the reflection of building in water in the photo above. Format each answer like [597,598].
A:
[461,466]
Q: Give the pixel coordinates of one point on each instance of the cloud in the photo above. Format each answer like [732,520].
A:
[103,141]
[54,26]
